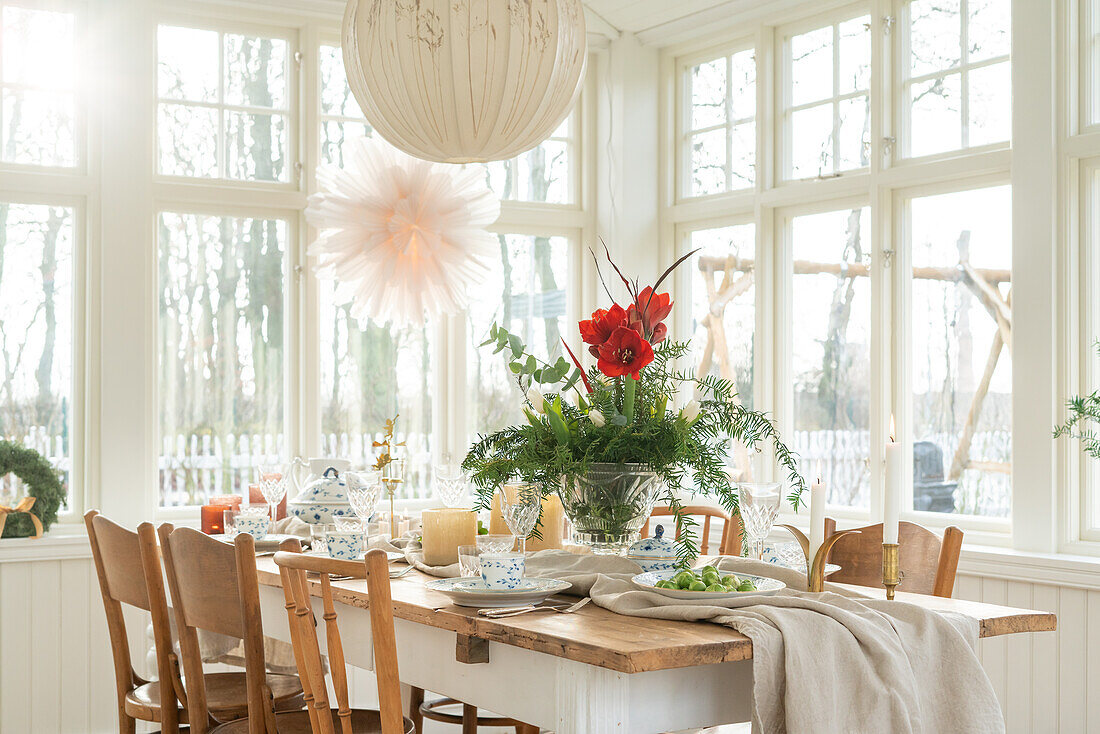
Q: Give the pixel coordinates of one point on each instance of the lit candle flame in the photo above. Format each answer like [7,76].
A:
[893,431]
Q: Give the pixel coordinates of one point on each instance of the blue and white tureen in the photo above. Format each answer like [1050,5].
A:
[325,494]
[654,554]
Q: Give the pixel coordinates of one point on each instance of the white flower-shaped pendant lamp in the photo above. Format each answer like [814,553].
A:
[403,238]
[463,81]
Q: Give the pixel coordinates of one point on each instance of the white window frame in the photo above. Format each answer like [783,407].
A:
[1080,162]
[76,188]
[294,112]
[786,109]
[684,131]
[882,186]
[987,527]
[904,82]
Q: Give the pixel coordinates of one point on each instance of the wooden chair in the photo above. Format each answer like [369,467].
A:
[128,568]
[214,587]
[928,564]
[319,717]
[469,718]
[731,529]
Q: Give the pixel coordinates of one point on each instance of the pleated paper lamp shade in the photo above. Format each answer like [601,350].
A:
[464,81]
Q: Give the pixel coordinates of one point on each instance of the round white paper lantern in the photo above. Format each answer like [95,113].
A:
[463,81]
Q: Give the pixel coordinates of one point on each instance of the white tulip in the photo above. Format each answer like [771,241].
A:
[690,411]
[537,399]
[597,418]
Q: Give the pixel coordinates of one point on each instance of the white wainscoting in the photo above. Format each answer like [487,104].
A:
[56,675]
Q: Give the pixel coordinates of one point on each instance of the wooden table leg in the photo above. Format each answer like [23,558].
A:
[469,719]
[415,699]
[526,729]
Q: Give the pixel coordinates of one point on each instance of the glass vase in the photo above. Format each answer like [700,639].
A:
[609,504]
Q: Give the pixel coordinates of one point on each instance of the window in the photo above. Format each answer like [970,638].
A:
[958,86]
[341,119]
[543,174]
[831,351]
[528,296]
[813,288]
[221,373]
[961,362]
[38,114]
[37,335]
[224,105]
[1088,336]
[369,372]
[722,279]
[827,113]
[719,123]
[723,305]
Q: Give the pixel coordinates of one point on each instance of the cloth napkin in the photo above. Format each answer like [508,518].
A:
[825,662]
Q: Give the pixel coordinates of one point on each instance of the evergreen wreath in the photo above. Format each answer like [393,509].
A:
[42,482]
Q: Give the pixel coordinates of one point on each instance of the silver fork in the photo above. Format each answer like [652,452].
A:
[516,611]
[402,572]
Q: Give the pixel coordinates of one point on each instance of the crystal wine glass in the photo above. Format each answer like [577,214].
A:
[520,504]
[273,481]
[450,484]
[364,491]
[759,506]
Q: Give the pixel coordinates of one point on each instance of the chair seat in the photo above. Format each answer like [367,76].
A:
[297,722]
[226,696]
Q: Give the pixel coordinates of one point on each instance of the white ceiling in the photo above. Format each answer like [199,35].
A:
[664,22]
[640,15]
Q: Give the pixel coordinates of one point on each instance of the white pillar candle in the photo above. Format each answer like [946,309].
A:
[894,477]
[817,517]
[444,529]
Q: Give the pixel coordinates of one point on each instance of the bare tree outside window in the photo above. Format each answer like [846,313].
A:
[958,80]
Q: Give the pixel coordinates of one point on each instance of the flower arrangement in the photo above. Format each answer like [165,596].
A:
[621,413]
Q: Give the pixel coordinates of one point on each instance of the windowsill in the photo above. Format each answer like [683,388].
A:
[62,542]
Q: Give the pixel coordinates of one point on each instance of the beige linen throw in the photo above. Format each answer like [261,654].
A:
[823,663]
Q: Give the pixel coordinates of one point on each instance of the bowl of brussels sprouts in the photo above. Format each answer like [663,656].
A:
[705,583]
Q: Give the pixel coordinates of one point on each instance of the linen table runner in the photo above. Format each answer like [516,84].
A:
[828,663]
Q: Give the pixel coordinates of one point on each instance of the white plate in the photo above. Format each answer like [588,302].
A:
[468,592]
[646,581]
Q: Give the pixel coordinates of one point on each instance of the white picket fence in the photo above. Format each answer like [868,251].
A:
[194,467]
[840,458]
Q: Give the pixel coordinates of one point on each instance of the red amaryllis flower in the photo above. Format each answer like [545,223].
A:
[648,311]
[624,353]
[598,329]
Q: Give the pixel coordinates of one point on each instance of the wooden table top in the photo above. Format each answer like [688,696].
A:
[622,643]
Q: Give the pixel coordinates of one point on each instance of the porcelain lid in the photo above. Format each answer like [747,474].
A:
[656,547]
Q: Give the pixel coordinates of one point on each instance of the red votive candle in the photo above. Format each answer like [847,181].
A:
[212,519]
[256,497]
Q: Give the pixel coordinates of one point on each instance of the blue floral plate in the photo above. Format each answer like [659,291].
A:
[472,592]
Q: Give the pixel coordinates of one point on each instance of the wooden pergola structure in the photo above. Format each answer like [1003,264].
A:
[726,278]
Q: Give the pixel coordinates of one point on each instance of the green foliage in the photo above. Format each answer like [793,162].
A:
[42,483]
[560,440]
[1084,416]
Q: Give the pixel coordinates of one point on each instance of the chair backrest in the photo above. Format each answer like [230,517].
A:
[128,567]
[928,563]
[730,544]
[215,588]
[293,568]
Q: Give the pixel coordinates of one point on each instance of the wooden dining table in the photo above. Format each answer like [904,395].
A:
[591,672]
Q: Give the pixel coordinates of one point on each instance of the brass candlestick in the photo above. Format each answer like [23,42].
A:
[815,568]
[891,572]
